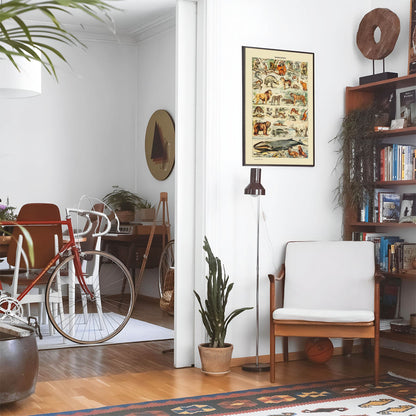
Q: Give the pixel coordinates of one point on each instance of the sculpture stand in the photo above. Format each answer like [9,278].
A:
[381,76]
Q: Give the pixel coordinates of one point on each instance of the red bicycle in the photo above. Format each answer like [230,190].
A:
[89,295]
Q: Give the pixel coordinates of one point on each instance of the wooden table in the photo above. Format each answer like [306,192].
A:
[131,248]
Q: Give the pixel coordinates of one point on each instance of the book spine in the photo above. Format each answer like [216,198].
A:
[382,165]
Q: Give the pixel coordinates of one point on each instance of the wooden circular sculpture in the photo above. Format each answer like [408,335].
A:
[319,350]
[389,25]
[160,144]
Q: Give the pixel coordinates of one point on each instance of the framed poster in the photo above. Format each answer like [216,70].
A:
[278,107]
[412,38]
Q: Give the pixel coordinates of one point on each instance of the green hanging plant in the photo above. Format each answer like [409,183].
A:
[358,157]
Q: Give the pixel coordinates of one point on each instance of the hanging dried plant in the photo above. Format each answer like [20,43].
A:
[358,156]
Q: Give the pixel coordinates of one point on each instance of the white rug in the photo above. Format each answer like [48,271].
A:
[134,331]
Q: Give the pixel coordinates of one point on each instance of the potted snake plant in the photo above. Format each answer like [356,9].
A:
[216,354]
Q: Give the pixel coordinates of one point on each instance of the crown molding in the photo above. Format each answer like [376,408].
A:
[108,33]
[160,25]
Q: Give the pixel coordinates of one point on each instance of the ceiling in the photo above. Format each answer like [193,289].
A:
[137,14]
[131,16]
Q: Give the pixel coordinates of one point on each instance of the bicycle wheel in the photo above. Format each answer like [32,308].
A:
[167,261]
[83,318]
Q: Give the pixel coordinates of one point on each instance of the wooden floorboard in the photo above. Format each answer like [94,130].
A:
[89,377]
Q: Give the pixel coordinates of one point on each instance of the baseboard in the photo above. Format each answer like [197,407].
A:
[293,356]
[149,298]
[405,356]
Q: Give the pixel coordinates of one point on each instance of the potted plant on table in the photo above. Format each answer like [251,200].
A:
[216,354]
[123,202]
[145,211]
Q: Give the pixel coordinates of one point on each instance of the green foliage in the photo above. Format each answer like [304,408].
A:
[33,41]
[218,290]
[122,200]
[357,154]
[7,212]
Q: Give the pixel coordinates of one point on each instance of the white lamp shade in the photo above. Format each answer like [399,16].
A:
[20,84]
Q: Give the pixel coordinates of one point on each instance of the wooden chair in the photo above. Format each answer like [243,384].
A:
[46,241]
[330,289]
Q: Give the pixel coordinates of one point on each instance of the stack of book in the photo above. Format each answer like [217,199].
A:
[392,253]
[388,206]
[397,162]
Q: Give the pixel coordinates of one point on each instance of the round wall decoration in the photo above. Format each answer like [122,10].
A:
[160,144]
[389,25]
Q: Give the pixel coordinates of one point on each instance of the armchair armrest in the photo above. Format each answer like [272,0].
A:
[378,278]
[378,275]
[273,278]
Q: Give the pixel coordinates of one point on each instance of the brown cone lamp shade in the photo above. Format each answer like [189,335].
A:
[255,187]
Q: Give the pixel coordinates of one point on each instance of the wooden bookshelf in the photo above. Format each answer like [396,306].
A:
[361,97]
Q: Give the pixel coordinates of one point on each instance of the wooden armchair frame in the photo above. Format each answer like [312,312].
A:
[297,328]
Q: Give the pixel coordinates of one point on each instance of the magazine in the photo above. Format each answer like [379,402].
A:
[389,207]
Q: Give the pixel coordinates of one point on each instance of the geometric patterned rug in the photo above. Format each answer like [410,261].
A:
[347,397]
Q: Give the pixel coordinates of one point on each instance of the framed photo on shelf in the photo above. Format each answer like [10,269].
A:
[408,208]
[278,107]
[406,105]
[412,38]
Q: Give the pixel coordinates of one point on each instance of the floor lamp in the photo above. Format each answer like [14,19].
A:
[256,189]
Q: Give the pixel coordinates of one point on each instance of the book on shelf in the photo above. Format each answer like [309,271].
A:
[385,251]
[388,259]
[408,208]
[408,255]
[401,255]
[389,207]
[397,162]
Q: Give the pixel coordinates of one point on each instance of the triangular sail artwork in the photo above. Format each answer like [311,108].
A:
[158,154]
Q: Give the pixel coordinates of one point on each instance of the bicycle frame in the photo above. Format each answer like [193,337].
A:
[70,245]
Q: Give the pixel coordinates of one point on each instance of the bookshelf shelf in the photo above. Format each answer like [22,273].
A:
[410,275]
[381,184]
[408,131]
[383,224]
[393,83]
[361,97]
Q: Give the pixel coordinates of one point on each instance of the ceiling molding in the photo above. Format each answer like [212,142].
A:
[105,33]
[159,25]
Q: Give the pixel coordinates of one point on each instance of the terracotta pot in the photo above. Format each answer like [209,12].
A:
[215,361]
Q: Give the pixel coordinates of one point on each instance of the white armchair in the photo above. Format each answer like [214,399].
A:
[330,289]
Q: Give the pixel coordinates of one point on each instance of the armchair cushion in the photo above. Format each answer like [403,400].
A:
[323,315]
[338,273]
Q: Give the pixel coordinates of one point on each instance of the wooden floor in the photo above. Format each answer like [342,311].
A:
[88,377]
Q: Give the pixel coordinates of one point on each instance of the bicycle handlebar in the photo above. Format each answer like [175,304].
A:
[87,214]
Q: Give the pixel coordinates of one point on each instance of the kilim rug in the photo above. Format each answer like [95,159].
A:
[348,397]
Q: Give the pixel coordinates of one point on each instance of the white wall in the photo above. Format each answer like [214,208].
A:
[156,91]
[299,200]
[78,136]
[86,133]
